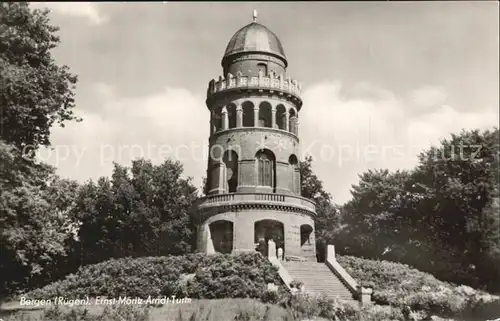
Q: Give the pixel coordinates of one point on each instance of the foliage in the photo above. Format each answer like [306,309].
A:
[150,202]
[233,276]
[401,286]
[327,225]
[441,217]
[214,277]
[35,92]
[34,207]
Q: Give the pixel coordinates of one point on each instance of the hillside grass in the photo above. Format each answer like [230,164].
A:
[399,285]
[206,310]
[399,291]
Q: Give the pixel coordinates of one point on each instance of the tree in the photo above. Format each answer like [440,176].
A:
[204,187]
[141,211]
[462,177]
[327,221]
[442,217]
[377,216]
[34,203]
[35,92]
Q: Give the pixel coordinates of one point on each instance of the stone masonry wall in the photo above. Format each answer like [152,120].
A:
[246,142]
[244,229]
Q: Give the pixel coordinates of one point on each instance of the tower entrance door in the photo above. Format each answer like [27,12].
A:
[266,230]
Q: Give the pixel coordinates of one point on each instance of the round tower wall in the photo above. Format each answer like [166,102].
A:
[246,142]
[245,230]
[251,64]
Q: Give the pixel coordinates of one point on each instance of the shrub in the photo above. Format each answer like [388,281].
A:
[401,286]
[214,277]
[484,308]
[296,284]
[378,312]
[269,296]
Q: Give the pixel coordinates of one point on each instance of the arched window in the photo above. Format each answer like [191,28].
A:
[248,114]
[280,116]
[231,113]
[295,174]
[265,115]
[217,118]
[293,126]
[231,161]
[262,68]
[265,168]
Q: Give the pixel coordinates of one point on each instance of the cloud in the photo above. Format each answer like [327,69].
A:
[346,130]
[348,135]
[427,98]
[87,10]
[171,124]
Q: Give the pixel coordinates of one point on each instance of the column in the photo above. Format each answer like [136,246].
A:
[256,116]
[273,117]
[239,116]
[244,229]
[297,180]
[287,121]
[218,178]
[212,125]
[225,118]
[222,178]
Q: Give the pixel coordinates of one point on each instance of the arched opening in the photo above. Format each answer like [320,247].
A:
[295,174]
[265,230]
[222,236]
[217,118]
[231,113]
[248,114]
[307,241]
[293,121]
[305,235]
[262,69]
[281,116]
[265,115]
[266,168]
[230,159]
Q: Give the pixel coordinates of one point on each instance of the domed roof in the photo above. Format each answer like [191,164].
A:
[255,37]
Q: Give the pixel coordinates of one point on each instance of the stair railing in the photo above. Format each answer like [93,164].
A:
[363,294]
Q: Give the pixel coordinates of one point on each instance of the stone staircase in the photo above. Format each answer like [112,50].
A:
[318,279]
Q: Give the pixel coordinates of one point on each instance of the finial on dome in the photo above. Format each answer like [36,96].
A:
[255,16]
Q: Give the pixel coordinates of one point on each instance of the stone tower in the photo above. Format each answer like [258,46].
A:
[253,179]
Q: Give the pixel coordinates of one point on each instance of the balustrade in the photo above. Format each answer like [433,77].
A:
[266,197]
[286,85]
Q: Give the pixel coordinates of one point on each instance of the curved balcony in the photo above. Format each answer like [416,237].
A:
[271,82]
[258,198]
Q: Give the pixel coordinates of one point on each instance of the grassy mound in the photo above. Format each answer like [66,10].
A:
[399,285]
[400,291]
[217,276]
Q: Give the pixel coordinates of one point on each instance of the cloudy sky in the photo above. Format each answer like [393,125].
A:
[382,80]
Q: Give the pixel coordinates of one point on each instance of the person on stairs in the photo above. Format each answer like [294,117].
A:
[262,247]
